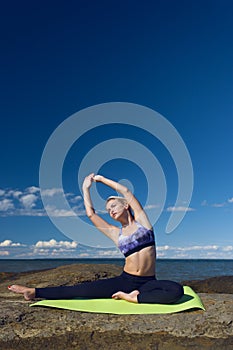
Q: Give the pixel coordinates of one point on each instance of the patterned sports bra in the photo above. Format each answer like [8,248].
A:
[138,240]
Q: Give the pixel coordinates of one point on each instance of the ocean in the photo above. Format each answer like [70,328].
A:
[172,269]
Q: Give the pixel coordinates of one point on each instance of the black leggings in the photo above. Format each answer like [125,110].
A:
[151,290]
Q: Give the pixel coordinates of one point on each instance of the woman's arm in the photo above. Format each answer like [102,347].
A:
[102,225]
[86,195]
[138,210]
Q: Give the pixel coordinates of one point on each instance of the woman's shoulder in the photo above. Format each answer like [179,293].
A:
[143,219]
[144,223]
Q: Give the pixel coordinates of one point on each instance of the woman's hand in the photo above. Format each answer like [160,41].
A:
[88,181]
[98,178]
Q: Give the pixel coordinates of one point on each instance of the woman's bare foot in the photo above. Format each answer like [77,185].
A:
[131,297]
[28,293]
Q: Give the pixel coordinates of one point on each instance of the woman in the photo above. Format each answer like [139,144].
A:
[135,239]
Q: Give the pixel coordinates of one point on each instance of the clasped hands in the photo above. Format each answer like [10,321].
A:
[91,178]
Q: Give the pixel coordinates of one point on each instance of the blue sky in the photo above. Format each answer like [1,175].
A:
[174,57]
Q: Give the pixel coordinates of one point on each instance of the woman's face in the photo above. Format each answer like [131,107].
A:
[115,208]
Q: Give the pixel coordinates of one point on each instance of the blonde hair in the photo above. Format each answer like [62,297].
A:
[121,199]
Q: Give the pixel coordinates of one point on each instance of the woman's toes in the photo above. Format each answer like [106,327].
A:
[117,295]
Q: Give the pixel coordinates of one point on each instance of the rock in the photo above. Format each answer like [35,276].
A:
[221,284]
[22,327]
[6,275]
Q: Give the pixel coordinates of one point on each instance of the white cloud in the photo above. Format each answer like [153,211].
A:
[68,249]
[152,206]
[15,194]
[42,252]
[165,247]
[55,248]
[29,200]
[50,192]
[221,204]
[5,243]
[195,252]
[52,211]
[218,205]
[4,253]
[198,247]
[108,253]
[6,204]
[53,243]
[84,255]
[28,203]
[75,199]
[33,189]
[9,243]
[180,208]
[228,248]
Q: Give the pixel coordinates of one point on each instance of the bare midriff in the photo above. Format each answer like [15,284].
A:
[141,263]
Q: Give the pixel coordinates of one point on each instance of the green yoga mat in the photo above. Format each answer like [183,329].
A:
[190,300]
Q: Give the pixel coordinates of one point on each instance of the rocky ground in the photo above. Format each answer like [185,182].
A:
[22,327]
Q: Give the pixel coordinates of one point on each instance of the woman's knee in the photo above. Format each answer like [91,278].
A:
[163,292]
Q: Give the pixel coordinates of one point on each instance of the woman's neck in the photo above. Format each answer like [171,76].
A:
[127,222]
